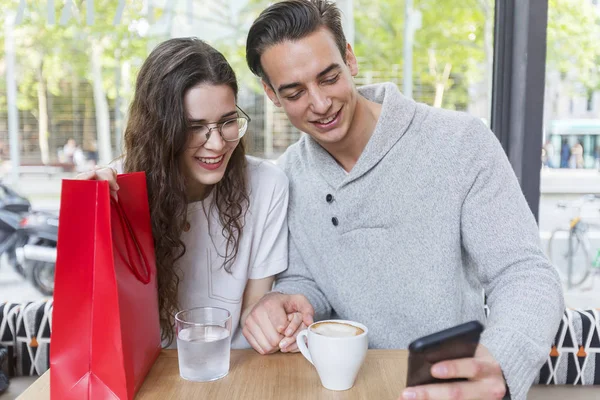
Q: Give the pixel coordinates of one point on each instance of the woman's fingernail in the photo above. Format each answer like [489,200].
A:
[440,370]
[283,344]
[288,332]
[409,394]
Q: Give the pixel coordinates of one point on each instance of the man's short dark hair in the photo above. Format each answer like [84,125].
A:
[291,20]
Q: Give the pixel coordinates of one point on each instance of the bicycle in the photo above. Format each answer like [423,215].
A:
[579,263]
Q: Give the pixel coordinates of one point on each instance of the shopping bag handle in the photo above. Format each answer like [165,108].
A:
[129,236]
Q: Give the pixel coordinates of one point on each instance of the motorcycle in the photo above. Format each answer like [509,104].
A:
[9,237]
[13,208]
[36,249]
[28,238]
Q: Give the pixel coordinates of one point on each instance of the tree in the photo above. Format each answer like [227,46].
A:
[457,38]
[233,46]
[111,39]
[41,64]
[448,51]
[571,21]
[70,50]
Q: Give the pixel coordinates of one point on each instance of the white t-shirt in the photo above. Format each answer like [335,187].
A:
[262,251]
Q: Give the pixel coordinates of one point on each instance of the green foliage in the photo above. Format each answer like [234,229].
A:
[455,31]
[234,46]
[573,41]
[63,50]
[452,34]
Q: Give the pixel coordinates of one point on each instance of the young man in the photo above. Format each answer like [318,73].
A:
[400,215]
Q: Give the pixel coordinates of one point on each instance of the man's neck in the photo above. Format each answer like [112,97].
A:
[348,151]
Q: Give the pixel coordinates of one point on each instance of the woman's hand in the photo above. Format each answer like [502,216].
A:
[265,326]
[102,174]
[288,344]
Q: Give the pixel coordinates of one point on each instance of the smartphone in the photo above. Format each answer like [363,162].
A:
[457,342]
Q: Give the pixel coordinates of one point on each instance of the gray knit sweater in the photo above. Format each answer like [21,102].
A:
[430,216]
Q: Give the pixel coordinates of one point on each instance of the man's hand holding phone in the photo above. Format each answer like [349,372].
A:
[485,379]
[451,364]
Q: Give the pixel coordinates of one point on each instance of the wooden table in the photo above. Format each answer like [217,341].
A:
[289,376]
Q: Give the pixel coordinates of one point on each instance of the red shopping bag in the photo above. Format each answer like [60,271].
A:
[105,324]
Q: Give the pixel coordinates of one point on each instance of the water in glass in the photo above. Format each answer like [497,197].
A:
[203,353]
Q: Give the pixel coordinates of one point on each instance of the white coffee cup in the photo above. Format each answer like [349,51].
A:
[336,356]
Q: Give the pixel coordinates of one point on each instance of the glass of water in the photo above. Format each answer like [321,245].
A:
[203,343]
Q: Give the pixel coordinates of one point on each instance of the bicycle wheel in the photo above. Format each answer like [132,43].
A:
[558,253]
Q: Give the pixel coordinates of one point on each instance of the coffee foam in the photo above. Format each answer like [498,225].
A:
[336,329]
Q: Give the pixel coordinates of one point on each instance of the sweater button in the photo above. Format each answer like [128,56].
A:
[329,198]
[334,221]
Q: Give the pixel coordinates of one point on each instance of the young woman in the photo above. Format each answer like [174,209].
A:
[218,216]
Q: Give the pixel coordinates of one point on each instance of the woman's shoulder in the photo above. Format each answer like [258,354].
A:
[264,176]
[266,171]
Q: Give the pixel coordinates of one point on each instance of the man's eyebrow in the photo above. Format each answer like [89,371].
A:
[288,86]
[319,75]
[328,70]
[203,121]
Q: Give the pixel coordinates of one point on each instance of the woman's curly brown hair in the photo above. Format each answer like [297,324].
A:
[154,141]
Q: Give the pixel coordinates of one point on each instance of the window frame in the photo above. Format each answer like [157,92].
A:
[518,88]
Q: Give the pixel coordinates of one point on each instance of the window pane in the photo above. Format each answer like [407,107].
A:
[571,148]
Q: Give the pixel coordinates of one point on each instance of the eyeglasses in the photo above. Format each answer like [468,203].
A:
[230,130]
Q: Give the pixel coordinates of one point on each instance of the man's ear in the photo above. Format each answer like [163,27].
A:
[271,93]
[351,60]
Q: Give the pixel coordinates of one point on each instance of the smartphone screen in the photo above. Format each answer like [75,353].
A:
[457,342]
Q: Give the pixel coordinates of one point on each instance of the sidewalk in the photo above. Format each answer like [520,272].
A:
[14,287]
[569,181]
